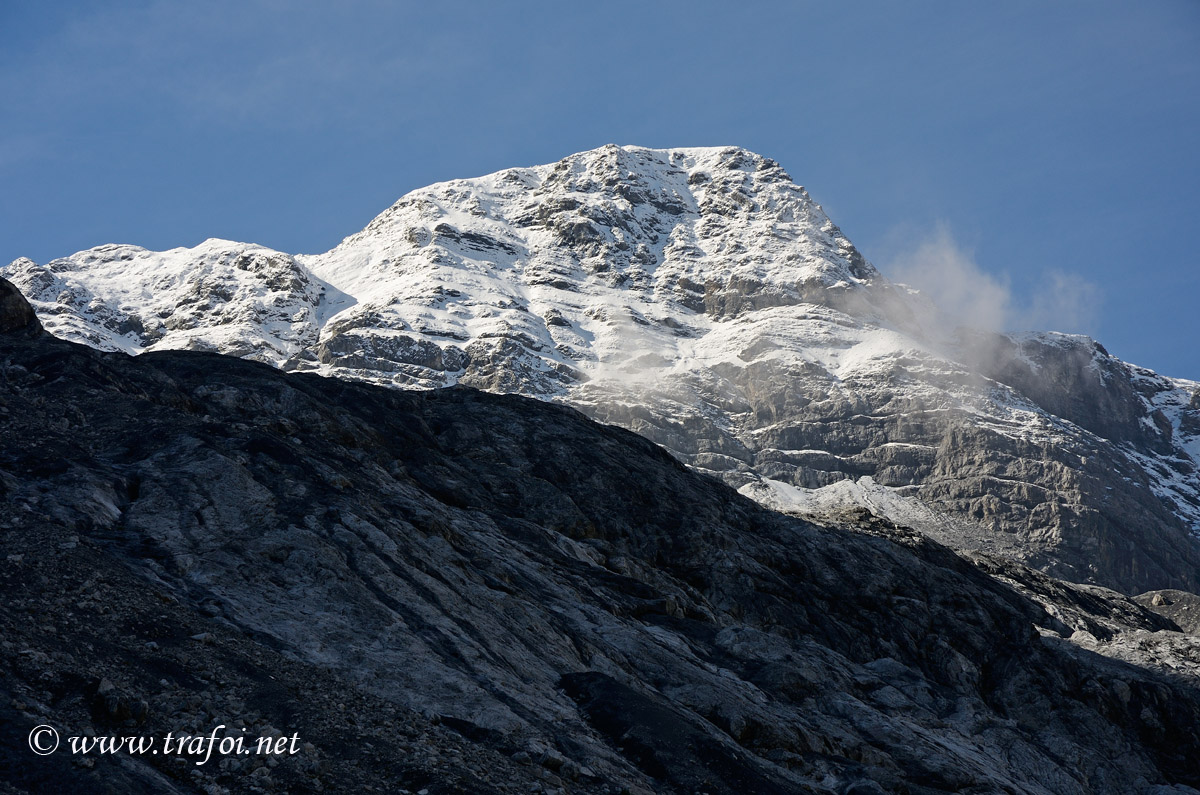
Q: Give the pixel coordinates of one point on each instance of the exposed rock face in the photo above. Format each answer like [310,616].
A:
[226,543]
[1181,607]
[17,317]
[703,300]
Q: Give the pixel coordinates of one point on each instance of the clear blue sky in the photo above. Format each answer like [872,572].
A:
[1047,144]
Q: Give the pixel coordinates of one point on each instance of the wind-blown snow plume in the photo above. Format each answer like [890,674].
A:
[948,275]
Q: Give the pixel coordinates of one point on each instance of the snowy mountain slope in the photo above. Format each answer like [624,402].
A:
[702,299]
[240,299]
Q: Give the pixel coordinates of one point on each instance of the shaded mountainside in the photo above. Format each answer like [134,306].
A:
[465,592]
[702,299]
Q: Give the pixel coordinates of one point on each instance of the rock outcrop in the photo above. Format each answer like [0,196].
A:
[17,317]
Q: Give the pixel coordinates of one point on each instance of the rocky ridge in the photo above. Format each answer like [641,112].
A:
[702,299]
[455,591]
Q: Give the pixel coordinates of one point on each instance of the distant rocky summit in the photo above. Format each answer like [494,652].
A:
[456,591]
[702,299]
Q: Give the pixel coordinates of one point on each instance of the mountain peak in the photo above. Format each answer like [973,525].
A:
[701,298]
[599,258]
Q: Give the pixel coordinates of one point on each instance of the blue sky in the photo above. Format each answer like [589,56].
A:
[1045,153]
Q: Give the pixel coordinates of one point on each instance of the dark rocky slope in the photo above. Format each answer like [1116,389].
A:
[464,592]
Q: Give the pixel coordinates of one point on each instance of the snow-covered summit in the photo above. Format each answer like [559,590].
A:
[702,298]
[587,263]
[591,263]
